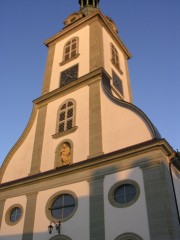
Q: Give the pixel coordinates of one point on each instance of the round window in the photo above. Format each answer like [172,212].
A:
[124,193]
[128,236]
[61,207]
[15,214]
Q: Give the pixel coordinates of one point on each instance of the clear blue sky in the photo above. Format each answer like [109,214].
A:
[149,28]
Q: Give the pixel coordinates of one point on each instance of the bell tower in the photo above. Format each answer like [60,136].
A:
[88,6]
[89,3]
[86,97]
[89,160]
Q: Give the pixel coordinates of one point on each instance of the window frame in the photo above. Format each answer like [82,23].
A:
[127,236]
[114,188]
[69,44]
[121,90]
[53,198]
[9,212]
[73,118]
[61,237]
[115,59]
[65,110]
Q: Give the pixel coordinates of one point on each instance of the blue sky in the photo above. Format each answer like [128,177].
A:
[149,29]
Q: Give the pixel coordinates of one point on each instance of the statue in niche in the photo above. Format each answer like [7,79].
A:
[65,153]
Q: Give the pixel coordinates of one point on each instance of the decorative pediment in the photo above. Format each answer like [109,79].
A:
[112,24]
[73,17]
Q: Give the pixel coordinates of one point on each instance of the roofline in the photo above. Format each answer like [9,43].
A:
[89,18]
[117,155]
[106,86]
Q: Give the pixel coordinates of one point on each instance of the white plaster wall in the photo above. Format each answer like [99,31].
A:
[13,232]
[121,127]
[107,40]
[80,137]
[83,59]
[20,163]
[130,219]
[76,227]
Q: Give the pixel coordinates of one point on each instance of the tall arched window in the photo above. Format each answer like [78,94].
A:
[70,49]
[66,116]
[114,56]
[65,119]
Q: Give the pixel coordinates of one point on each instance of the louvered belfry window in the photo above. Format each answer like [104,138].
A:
[115,56]
[66,116]
[71,49]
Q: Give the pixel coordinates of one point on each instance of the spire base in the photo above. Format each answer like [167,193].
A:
[88,6]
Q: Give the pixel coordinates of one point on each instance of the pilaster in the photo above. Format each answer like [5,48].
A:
[29,216]
[48,71]
[96,46]
[38,141]
[162,215]
[1,210]
[97,224]
[95,123]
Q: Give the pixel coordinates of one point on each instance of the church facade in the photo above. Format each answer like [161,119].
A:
[90,165]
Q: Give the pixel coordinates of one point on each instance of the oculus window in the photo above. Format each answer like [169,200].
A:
[128,236]
[61,206]
[124,193]
[14,214]
[62,237]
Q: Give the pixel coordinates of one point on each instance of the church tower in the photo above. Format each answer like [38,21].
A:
[90,164]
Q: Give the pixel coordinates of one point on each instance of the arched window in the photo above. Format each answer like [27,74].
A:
[114,56]
[128,236]
[66,118]
[62,237]
[70,49]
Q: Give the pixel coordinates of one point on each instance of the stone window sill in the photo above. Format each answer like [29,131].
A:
[61,134]
[69,60]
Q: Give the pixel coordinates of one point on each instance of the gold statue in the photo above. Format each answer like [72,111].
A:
[65,153]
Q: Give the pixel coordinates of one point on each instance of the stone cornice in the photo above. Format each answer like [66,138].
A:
[79,83]
[108,163]
[85,21]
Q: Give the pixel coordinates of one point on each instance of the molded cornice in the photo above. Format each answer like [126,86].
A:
[97,15]
[122,160]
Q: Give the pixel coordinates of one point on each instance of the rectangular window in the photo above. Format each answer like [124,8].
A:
[117,83]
